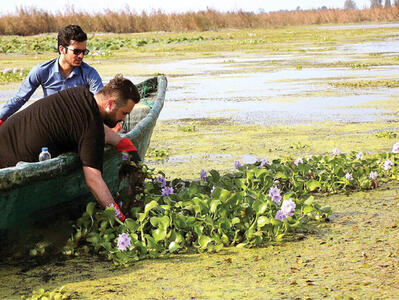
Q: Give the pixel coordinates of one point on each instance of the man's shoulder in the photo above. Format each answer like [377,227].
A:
[47,64]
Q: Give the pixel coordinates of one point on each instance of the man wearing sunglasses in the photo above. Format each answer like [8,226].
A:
[66,71]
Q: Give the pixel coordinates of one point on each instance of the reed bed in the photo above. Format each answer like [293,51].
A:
[35,21]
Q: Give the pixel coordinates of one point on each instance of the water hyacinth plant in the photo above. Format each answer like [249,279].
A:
[203,175]
[336,151]
[388,164]
[167,190]
[395,148]
[298,161]
[124,241]
[250,207]
[274,194]
[237,164]
[263,162]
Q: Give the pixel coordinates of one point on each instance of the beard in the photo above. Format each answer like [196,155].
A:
[110,119]
[111,123]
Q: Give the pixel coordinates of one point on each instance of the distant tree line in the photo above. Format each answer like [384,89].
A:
[351,4]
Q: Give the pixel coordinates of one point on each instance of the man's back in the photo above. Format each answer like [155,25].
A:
[63,122]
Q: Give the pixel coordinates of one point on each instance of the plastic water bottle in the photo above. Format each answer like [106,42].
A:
[44,155]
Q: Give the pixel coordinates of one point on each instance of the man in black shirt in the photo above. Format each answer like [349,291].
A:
[70,120]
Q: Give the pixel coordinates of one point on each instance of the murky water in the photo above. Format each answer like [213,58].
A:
[251,89]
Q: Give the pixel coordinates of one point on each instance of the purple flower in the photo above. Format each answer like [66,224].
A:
[359,155]
[124,241]
[125,157]
[237,164]
[263,162]
[349,176]
[336,151]
[298,161]
[203,175]
[395,148]
[161,180]
[280,215]
[274,194]
[388,164]
[166,191]
[288,207]
[373,175]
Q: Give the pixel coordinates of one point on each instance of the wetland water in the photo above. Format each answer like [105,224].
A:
[251,89]
[270,89]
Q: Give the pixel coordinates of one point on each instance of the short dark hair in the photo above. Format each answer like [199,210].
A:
[121,88]
[68,33]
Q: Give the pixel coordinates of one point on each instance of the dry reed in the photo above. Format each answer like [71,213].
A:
[34,21]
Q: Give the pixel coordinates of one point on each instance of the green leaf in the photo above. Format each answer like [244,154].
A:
[309,201]
[308,209]
[214,205]
[150,206]
[274,221]
[90,208]
[204,241]
[312,185]
[235,221]
[131,225]
[159,234]
[262,221]
[260,207]
[160,222]
[224,195]
[173,247]
[215,175]
[109,214]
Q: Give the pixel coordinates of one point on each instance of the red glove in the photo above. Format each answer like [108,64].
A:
[1,122]
[118,212]
[117,128]
[126,145]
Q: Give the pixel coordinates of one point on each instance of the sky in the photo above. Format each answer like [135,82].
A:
[172,6]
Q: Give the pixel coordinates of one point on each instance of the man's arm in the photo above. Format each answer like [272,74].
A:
[111,137]
[122,144]
[28,87]
[100,190]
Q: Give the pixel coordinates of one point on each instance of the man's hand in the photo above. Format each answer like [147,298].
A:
[117,128]
[126,145]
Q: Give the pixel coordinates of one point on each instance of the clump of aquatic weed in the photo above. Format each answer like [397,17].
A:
[56,294]
[257,204]
[366,83]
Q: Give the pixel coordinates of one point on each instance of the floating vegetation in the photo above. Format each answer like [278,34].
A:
[366,83]
[191,127]
[299,146]
[12,74]
[98,53]
[386,135]
[258,204]
[358,65]
[56,294]
[100,46]
[157,153]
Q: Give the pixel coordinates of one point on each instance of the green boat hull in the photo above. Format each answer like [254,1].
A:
[32,192]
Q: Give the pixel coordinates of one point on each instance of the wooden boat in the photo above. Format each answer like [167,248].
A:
[34,191]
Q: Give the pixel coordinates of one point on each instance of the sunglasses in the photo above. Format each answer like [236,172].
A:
[78,51]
